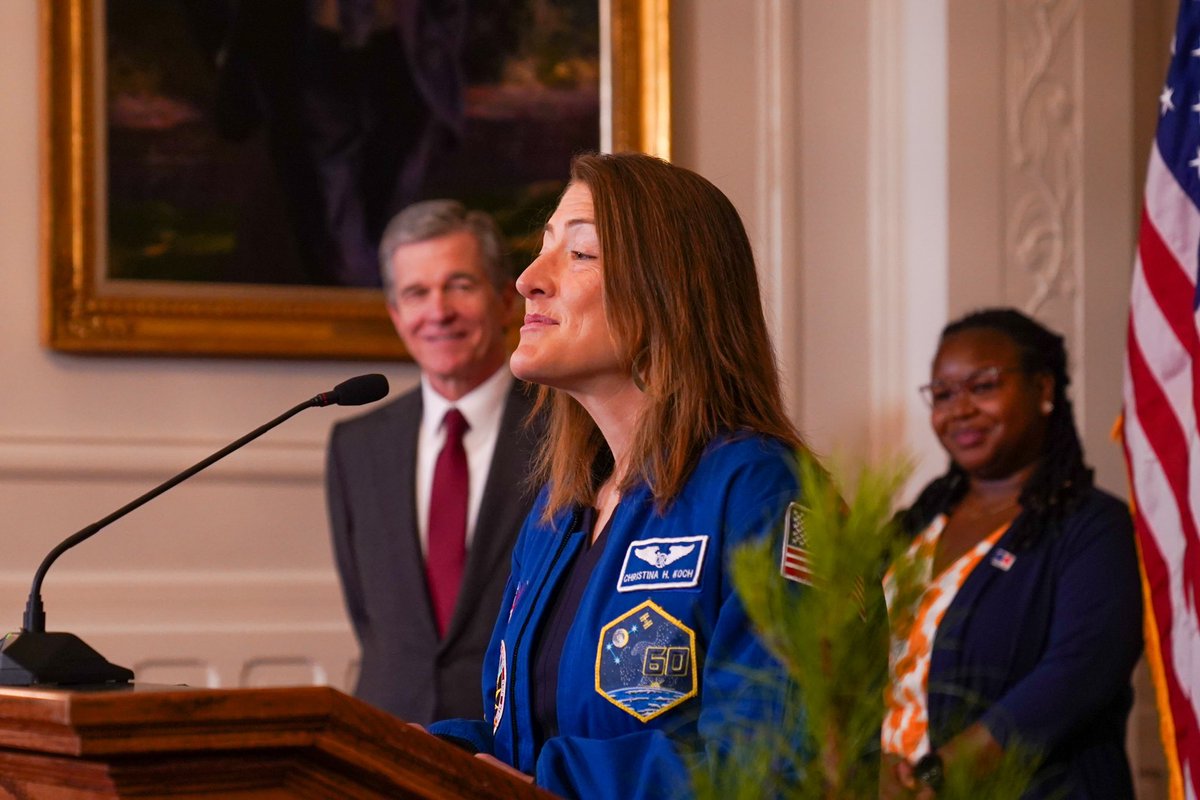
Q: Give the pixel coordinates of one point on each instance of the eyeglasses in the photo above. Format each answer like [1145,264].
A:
[980,384]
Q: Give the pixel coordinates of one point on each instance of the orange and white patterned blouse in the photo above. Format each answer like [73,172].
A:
[906,717]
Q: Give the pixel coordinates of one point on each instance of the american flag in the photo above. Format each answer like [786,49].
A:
[1162,399]
[794,560]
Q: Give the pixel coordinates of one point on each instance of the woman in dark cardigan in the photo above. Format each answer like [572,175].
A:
[1031,625]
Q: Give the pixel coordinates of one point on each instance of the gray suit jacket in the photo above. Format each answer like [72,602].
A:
[370,481]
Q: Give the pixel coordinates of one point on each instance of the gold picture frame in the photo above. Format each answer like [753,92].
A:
[85,312]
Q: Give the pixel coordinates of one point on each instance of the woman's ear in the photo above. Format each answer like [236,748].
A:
[1045,383]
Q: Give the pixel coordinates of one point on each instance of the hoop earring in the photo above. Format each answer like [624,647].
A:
[638,368]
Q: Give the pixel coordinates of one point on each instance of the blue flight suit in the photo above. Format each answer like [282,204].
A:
[660,656]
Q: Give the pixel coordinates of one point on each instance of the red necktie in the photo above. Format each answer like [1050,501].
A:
[447,550]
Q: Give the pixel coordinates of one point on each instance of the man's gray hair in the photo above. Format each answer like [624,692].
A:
[431,219]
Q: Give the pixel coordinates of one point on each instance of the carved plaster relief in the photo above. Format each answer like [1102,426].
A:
[1043,177]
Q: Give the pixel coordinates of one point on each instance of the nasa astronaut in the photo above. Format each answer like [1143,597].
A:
[621,645]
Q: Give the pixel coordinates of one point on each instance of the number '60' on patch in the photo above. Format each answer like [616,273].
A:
[646,662]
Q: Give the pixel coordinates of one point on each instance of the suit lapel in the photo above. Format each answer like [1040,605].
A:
[502,508]
[401,550]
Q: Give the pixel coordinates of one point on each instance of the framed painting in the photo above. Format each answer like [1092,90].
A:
[216,172]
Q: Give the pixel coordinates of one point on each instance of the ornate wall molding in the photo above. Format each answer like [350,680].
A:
[1043,177]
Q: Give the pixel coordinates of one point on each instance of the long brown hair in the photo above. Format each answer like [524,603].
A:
[681,299]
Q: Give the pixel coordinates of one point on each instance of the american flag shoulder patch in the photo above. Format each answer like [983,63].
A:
[794,563]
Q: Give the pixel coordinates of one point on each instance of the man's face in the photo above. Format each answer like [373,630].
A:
[448,312]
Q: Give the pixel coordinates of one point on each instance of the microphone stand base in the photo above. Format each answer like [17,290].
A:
[54,659]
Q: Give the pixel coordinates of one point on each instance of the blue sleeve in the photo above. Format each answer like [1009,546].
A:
[741,683]
[1095,636]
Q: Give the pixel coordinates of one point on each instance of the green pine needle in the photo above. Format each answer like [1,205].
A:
[833,638]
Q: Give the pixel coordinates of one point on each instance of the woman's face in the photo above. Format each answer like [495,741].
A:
[565,340]
[989,415]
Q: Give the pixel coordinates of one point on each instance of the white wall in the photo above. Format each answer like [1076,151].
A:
[825,123]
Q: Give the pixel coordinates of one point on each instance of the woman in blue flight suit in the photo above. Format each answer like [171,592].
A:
[621,644]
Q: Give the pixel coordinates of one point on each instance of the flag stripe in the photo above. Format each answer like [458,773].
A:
[1158,673]
[1166,284]
[1172,213]
[1161,545]
[1171,368]
[1165,436]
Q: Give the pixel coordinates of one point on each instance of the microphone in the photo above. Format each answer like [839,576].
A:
[34,656]
[354,392]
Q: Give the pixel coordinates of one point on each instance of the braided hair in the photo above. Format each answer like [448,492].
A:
[1061,479]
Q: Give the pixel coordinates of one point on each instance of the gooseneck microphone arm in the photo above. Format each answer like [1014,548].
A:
[356,391]
[35,614]
[36,657]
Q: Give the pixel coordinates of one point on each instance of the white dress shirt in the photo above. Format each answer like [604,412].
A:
[483,408]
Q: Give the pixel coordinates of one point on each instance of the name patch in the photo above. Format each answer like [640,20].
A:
[669,563]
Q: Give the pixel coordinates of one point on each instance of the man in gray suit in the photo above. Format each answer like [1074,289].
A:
[422,634]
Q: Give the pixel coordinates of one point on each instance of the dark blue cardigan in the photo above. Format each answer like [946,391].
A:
[1042,652]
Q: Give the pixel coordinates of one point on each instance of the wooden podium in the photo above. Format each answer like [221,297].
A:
[311,742]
